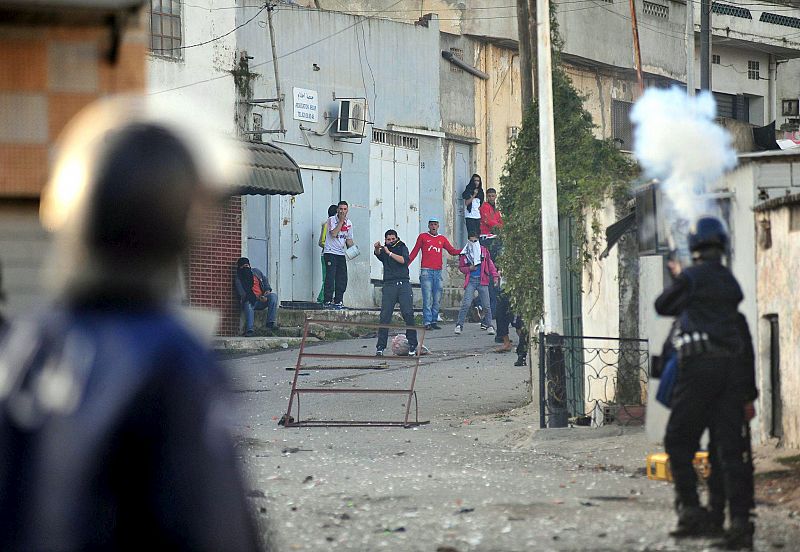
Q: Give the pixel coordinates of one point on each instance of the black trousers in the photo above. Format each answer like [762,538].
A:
[522,344]
[393,293]
[335,278]
[717,498]
[504,315]
[705,396]
[473,226]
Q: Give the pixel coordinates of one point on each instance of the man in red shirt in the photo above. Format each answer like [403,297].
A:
[491,219]
[431,243]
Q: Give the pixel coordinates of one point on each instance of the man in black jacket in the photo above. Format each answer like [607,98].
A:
[396,289]
[710,391]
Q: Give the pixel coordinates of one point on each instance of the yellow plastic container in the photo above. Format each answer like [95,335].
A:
[658,466]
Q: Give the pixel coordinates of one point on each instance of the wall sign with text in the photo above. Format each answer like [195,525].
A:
[305,105]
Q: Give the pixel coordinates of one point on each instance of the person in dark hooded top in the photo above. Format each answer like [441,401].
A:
[255,293]
[473,197]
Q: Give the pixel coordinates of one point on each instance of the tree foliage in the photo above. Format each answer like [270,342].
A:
[588,171]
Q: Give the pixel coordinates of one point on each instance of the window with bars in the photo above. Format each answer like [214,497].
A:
[459,53]
[752,70]
[715,59]
[733,106]
[621,127]
[790,108]
[733,11]
[165,28]
[656,10]
[394,139]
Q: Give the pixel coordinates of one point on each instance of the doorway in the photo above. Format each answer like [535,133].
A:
[393,193]
[299,272]
[462,174]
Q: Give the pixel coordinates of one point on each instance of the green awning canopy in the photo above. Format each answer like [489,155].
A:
[270,172]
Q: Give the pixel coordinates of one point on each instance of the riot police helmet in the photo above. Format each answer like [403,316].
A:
[708,232]
[124,199]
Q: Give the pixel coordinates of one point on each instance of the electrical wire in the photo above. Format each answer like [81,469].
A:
[372,75]
[226,75]
[209,41]
[595,4]
[217,8]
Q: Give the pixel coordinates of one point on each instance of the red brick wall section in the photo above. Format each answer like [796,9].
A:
[212,264]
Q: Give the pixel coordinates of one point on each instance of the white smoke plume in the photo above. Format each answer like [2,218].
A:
[677,142]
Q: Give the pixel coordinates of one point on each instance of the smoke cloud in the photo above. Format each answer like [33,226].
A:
[677,142]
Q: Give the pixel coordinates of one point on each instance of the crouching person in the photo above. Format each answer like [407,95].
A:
[255,293]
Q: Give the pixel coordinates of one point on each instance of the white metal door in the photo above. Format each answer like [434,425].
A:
[406,213]
[301,216]
[256,221]
[302,245]
[460,177]
[285,288]
[394,199]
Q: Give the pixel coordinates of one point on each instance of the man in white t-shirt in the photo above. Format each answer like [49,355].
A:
[340,237]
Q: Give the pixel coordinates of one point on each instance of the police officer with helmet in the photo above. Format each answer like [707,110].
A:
[114,420]
[709,391]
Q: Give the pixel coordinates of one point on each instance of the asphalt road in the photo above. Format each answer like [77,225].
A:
[479,477]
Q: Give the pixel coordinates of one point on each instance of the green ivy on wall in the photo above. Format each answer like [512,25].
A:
[588,171]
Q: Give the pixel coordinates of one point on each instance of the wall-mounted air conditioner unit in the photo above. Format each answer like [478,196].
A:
[352,118]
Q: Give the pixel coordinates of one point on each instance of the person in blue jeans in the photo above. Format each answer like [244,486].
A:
[478,268]
[431,244]
[255,293]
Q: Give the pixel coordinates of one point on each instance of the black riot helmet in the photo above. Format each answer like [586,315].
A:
[708,232]
[128,193]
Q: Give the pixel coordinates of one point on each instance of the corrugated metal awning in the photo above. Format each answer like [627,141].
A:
[270,171]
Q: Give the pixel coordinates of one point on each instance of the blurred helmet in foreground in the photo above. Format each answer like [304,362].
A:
[708,232]
[124,195]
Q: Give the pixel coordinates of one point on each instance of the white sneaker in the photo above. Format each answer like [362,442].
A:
[458,329]
[490,330]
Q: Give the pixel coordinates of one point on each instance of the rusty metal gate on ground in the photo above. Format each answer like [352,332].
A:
[358,362]
[585,380]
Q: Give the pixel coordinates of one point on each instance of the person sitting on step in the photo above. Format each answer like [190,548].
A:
[255,293]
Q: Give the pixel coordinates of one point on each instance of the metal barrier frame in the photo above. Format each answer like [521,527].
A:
[289,421]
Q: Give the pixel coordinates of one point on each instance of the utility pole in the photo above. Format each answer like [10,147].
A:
[551,262]
[690,48]
[637,50]
[705,45]
[271,7]
[525,68]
